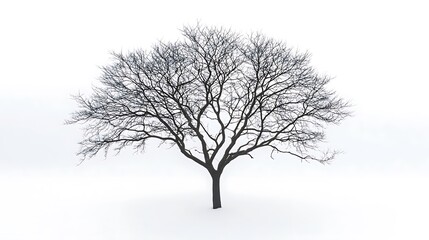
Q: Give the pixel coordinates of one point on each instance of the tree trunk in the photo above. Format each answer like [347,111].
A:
[216,191]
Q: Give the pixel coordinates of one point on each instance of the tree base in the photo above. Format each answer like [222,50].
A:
[216,192]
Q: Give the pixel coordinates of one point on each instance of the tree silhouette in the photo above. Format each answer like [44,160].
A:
[216,95]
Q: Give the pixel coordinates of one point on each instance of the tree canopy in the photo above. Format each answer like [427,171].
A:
[216,95]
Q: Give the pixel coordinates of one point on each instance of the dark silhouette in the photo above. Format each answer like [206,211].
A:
[216,95]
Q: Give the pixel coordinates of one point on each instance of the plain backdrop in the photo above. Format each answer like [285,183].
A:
[376,52]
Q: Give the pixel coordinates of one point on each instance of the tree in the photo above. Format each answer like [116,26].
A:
[216,96]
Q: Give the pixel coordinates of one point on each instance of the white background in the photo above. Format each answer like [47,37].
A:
[377,52]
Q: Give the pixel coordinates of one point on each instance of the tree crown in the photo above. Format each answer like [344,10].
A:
[216,95]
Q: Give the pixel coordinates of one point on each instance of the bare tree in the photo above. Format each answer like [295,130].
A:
[216,95]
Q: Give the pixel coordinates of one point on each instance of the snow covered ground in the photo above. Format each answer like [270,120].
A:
[88,205]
